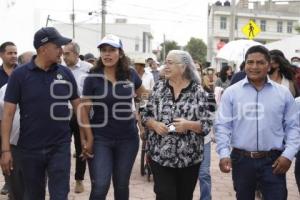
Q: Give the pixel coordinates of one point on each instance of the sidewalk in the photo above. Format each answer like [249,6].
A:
[141,189]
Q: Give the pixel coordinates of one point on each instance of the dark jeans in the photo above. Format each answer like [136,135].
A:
[15,180]
[204,174]
[53,162]
[247,172]
[80,164]
[297,170]
[112,159]
[174,183]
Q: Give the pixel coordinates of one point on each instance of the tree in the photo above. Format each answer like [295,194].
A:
[197,48]
[170,45]
[297,28]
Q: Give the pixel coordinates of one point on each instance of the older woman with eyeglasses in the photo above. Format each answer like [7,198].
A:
[177,117]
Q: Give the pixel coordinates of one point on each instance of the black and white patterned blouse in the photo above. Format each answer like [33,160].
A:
[177,150]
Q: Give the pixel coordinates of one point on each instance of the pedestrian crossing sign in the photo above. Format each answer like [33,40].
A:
[251,30]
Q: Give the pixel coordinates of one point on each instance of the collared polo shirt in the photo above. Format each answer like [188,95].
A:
[113,116]
[3,76]
[43,100]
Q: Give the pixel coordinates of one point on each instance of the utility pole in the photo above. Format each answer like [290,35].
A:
[73,19]
[232,21]
[103,13]
[164,52]
[48,19]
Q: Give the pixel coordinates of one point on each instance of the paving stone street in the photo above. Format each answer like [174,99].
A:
[141,189]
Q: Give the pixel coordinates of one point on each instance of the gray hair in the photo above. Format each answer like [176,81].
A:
[75,46]
[185,58]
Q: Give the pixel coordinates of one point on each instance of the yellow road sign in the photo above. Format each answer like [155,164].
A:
[251,30]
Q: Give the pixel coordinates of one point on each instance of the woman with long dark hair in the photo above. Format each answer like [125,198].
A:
[225,77]
[281,71]
[108,92]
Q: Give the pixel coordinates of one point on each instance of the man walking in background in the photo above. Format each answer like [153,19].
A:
[80,70]
[9,55]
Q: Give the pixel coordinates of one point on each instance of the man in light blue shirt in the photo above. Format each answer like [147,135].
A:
[257,131]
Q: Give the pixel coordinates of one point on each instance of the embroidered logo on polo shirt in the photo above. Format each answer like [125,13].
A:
[59,77]
[128,85]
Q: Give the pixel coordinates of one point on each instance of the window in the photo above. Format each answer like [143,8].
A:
[263,25]
[236,23]
[136,45]
[223,23]
[279,26]
[289,27]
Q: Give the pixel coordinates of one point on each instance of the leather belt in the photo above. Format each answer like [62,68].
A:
[255,154]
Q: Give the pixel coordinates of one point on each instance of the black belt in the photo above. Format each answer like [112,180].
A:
[255,154]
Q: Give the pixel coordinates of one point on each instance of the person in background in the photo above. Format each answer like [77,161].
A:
[8,55]
[208,84]
[25,57]
[147,77]
[209,80]
[239,75]
[297,162]
[225,77]
[15,180]
[154,70]
[295,61]
[109,91]
[89,57]
[281,71]
[43,90]
[257,130]
[81,57]
[79,69]
[177,118]
[149,61]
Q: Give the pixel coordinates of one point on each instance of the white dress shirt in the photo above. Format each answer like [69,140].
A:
[80,71]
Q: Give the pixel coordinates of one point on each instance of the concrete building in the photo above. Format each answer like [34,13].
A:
[136,38]
[275,21]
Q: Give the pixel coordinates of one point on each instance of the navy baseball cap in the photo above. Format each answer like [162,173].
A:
[49,34]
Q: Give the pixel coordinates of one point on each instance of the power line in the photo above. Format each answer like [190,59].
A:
[83,26]
[156,19]
[163,10]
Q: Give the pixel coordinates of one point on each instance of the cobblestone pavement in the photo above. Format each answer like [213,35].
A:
[141,189]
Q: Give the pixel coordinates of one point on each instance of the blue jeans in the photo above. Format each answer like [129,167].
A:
[204,174]
[297,170]
[53,162]
[112,159]
[247,172]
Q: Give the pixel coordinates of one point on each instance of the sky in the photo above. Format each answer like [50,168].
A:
[178,20]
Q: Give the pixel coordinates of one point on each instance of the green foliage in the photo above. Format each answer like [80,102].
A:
[197,48]
[170,45]
[297,28]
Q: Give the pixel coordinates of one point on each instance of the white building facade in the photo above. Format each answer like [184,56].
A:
[136,38]
[275,21]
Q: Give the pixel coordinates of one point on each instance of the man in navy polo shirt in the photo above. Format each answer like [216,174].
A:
[42,88]
[8,55]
